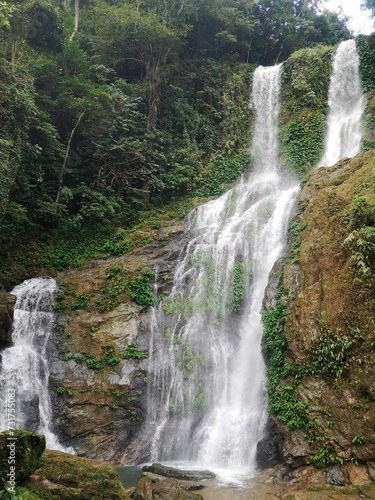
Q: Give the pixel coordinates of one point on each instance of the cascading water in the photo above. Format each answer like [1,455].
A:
[346,106]
[24,369]
[206,394]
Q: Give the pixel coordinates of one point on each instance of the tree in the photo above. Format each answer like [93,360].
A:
[288,25]
[120,36]
[369,5]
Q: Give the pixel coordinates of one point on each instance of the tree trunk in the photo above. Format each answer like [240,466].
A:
[63,167]
[76,20]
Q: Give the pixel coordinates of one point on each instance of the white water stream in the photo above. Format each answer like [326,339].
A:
[346,106]
[24,369]
[206,396]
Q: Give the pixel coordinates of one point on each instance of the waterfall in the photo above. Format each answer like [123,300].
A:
[346,106]
[24,370]
[206,392]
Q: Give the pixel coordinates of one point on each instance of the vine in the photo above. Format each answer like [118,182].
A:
[366,64]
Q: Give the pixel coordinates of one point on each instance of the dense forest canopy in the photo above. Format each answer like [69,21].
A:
[111,107]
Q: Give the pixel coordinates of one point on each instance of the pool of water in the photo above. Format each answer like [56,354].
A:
[129,475]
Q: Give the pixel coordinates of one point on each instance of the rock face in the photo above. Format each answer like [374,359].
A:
[20,453]
[328,286]
[98,351]
[7,302]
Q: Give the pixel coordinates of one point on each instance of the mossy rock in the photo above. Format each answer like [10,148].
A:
[21,450]
[63,476]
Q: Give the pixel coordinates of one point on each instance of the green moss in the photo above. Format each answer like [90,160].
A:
[77,477]
[28,448]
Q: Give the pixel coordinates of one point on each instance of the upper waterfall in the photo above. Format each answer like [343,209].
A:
[24,369]
[346,106]
[206,393]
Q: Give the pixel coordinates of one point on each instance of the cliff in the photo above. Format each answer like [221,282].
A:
[320,323]
[98,350]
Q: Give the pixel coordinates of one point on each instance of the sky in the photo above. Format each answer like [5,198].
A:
[360,22]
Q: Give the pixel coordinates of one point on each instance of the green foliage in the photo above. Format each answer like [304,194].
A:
[141,292]
[220,175]
[361,240]
[63,390]
[199,401]
[171,306]
[107,358]
[305,82]
[367,62]
[330,354]
[362,246]
[113,271]
[358,440]
[133,415]
[295,229]
[81,302]
[132,352]
[237,287]
[302,143]
[274,344]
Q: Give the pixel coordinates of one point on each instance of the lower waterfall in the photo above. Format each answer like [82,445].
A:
[206,393]
[24,369]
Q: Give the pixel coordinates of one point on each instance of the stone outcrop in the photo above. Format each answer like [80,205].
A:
[63,476]
[186,475]
[166,489]
[99,389]
[328,287]
[20,453]
[7,302]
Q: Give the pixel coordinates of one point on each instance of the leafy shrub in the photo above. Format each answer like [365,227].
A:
[132,352]
[237,288]
[141,291]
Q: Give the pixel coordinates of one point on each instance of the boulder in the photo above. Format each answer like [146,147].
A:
[20,453]
[32,414]
[143,490]
[188,475]
[171,489]
[63,476]
[166,489]
[336,475]
[267,454]
[7,302]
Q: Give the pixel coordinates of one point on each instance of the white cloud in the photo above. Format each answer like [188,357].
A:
[360,21]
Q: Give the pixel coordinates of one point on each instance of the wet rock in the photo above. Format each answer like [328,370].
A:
[25,448]
[336,475]
[101,415]
[357,474]
[371,470]
[143,490]
[186,485]
[7,302]
[188,475]
[328,303]
[171,489]
[32,416]
[267,454]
